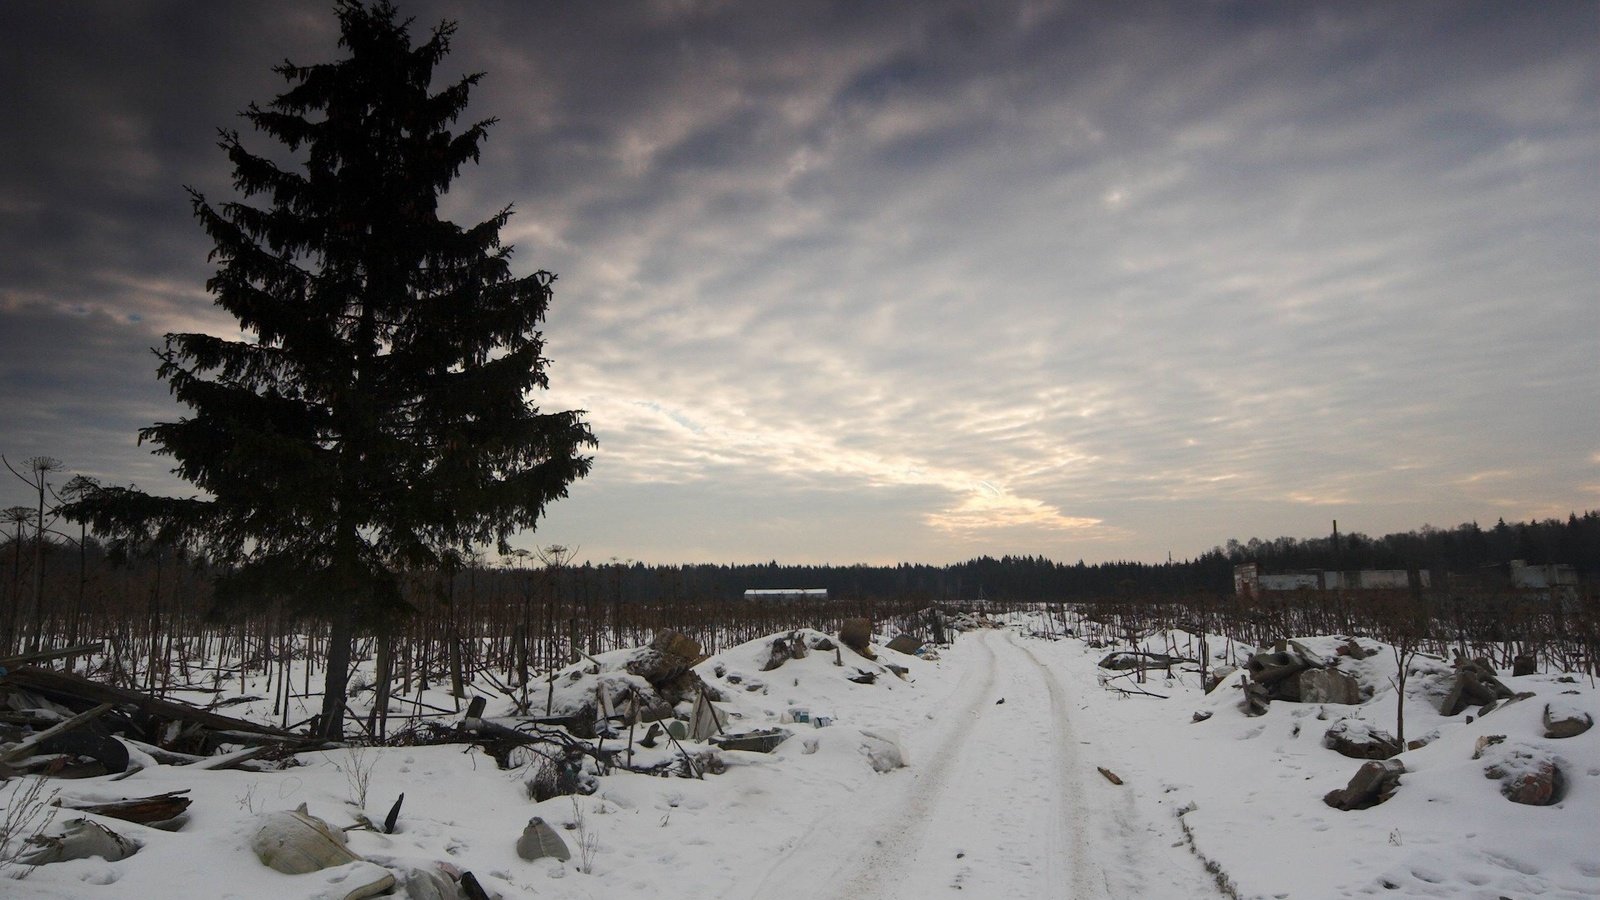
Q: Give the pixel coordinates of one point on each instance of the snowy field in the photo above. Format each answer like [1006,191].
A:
[1003,738]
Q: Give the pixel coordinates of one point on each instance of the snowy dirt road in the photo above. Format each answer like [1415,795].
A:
[1001,799]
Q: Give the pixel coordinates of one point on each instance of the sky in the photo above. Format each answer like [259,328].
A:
[919,281]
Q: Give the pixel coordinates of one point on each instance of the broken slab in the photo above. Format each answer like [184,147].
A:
[764,740]
[1328,686]
[1372,784]
[905,643]
[1256,699]
[1359,740]
[1475,685]
[1217,676]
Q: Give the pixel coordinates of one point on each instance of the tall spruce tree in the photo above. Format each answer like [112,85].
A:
[376,413]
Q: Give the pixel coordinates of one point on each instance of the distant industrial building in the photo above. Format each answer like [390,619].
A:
[1550,581]
[1250,581]
[787,594]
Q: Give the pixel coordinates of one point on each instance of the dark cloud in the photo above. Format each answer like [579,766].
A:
[919,280]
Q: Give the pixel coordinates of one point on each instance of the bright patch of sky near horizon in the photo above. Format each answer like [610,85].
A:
[920,281]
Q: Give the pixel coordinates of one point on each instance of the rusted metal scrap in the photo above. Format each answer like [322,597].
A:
[143,810]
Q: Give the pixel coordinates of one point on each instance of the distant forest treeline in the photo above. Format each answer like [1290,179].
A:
[1464,549]
[73,573]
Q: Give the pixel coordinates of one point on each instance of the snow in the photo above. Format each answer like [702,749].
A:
[975,774]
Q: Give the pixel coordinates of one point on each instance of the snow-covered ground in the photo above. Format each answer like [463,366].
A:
[1002,737]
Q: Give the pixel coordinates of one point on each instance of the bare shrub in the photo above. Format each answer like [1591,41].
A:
[28,811]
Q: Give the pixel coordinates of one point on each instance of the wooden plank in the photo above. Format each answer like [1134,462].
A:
[25,748]
[49,682]
[143,810]
[44,655]
[229,760]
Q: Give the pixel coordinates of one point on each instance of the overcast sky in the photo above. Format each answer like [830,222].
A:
[869,282]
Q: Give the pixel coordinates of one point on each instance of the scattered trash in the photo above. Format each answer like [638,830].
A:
[882,750]
[764,740]
[295,842]
[393,817]
[79,839]
[706,720]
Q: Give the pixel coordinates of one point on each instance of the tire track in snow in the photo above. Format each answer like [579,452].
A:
[1088,880]
[1140,845]
[837,836]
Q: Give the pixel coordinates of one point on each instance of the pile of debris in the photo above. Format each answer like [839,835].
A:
[66,726]
[59,725]
[625,687]
[1293,673]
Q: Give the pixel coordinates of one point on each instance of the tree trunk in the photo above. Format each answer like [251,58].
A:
[341,635]
[378,723]
[38,574]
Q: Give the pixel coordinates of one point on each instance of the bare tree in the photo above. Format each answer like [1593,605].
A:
[17,517]
[77,488]
[39,469]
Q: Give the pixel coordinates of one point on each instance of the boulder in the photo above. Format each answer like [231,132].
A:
[905,643]
[1359,740]
[780,651]
[819,642]
[1372,784]
[1328,686]
[539,840]
[676,643]
[1561,721]
[1525,664]
[1538,786]
[1527,774]
[669,656]
[857,635]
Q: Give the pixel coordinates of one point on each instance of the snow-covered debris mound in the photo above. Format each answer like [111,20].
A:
[835,697]
[655,679]
[804,668]
[1488,803]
